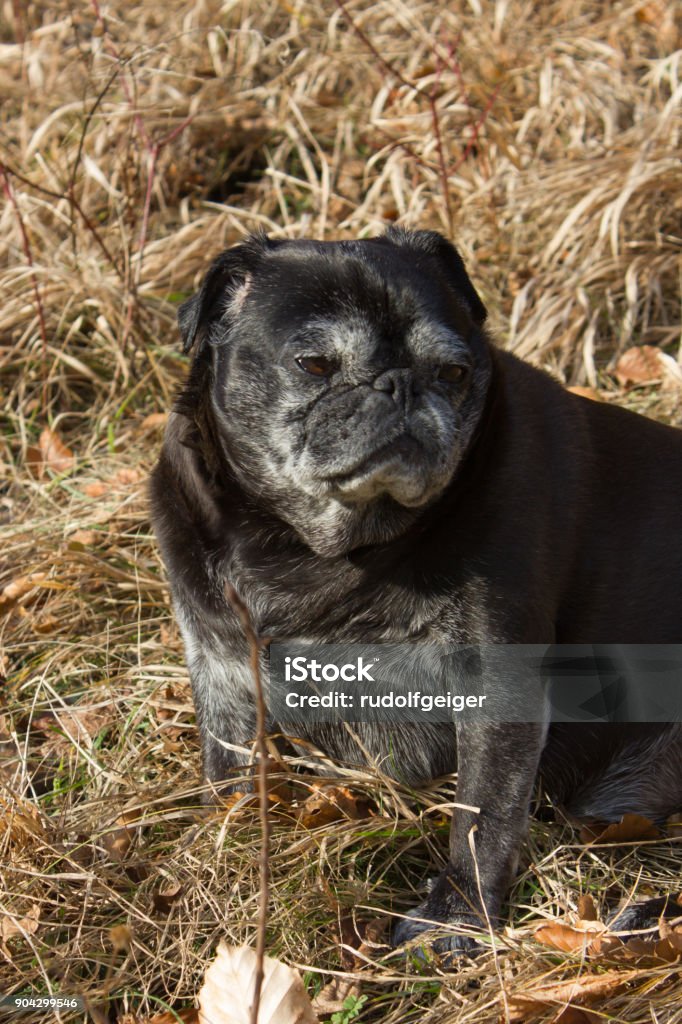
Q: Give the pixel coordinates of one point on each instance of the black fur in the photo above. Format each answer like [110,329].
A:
[503,509]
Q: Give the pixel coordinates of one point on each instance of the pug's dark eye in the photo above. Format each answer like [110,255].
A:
[317,366]
[451,373]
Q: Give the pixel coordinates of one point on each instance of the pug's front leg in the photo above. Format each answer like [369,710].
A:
[222,689]
[497,767]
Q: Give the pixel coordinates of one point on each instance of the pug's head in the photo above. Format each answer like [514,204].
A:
[346,378]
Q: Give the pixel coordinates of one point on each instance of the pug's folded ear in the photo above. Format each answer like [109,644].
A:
[225,281]
[432,244]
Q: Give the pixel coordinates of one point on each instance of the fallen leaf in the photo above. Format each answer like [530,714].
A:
[331,998]
[154,421]
[349,935]
[329,98]
[586,908]
[171,711]
[630,829]
[227,992]
[230,801]
[55,455]
[660,17]
[73,726]
[164,898]
[83,538]
[574,1015]
[97,489]
[373,936]
[49,453]
[128,476]
[11,926]
[665,950]
[279,792]
[118,840]
[567,938]
[21,820]
[19,590]
[45,623]
[390,213]
[666,947]
[190,1015]
[588,988]
[672,370]
[650,13]
[577,389]
[331,803]
[122,478]
[374,932]
[665,928]
[138,871]
[120,936]
[641,364]
[604,943]
[171,746]
[425,69]
[34,461]
[117,843]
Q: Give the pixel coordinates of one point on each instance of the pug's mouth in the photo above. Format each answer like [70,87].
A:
[402,448]
[395,468]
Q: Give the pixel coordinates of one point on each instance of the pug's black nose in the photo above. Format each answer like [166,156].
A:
[400,383]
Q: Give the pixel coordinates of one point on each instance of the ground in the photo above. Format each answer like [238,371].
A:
[137,141]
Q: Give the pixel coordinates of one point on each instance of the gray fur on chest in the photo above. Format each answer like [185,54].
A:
[301,600]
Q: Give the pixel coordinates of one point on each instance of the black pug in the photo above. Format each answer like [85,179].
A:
[353,454]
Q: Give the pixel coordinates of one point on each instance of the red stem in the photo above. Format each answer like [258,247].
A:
[26,245]
[452,62]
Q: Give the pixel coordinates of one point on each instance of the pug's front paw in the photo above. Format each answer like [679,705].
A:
[451,938]
[447,919]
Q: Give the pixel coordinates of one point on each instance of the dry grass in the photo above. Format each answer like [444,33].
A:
[137,141]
